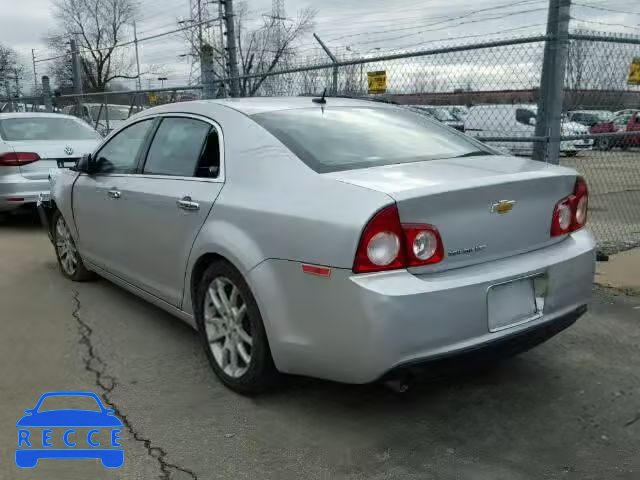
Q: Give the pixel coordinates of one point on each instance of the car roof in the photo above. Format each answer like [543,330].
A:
[254,105]
[4,116]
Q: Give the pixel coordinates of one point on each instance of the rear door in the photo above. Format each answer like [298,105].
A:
[97,198]
[162,210]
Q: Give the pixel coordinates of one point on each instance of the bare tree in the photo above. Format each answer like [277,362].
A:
[100,28]
[10,72]
[261,50]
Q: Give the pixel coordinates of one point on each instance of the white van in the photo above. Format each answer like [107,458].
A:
[519,121]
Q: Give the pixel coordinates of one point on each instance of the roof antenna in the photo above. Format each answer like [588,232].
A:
[320,100]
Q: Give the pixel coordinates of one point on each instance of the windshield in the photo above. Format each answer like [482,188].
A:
[45,128]
[69,402]
[346,138]
[115,112]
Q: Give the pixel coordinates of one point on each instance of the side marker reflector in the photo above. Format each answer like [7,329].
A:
[316,270]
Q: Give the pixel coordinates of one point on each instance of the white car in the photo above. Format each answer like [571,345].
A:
[33,143]
[520,121]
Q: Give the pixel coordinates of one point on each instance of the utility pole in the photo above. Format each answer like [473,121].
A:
[135,42]
[551,93]
[223,62]
[334,60]
[35,74]
[231,48]
[75,66]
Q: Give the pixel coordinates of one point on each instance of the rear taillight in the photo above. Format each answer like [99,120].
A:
[570,213]
[386,244]
[15,159]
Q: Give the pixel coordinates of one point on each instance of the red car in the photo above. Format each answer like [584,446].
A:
[624,122]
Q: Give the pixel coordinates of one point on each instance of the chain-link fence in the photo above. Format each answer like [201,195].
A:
[490,90]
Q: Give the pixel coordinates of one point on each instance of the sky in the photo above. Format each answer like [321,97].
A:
[349,27]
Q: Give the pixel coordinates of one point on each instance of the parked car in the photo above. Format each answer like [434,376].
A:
[336,238]
[103,117]
[623,122]
[30,145]
[442,115]
[589,118]
[520,121]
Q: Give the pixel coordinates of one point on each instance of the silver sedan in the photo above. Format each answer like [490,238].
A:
[335,238]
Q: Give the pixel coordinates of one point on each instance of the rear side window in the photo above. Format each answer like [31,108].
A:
[177,147]
[45,128]
[345,138]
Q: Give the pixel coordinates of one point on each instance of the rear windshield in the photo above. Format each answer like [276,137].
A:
[346,138]
[47,128]
[115,113]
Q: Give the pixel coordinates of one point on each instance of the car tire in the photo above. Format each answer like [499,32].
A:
[571,154]
[225,331]
[69,259]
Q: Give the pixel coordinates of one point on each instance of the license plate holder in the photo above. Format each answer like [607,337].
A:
[512,303]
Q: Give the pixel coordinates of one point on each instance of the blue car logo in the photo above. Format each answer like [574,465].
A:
[34,445]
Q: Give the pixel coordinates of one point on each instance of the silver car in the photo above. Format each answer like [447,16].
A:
[30,145]
[334,238]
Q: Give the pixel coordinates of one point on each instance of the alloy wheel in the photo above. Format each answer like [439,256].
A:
[227,327]
[67,252]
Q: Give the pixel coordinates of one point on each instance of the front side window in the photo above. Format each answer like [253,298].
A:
[345,138]
[120,153]
[177,147]
[45,128]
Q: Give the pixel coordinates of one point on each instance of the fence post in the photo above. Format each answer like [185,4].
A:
[334,60]
[234,84]
[206,71]
[46,94]
[551,93]
[75,67]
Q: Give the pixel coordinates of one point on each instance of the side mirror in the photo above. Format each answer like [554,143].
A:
[84,164]
[532,120]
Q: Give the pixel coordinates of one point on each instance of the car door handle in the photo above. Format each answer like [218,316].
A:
[114,194]
[185,203]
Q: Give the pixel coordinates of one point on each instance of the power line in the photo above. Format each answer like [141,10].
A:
[447,20]
[604,9]
[604,23]
[449,26]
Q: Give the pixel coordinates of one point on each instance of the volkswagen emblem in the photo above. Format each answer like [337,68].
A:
[68,150]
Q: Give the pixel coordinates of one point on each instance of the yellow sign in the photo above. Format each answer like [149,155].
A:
[153,98]
[377,81]
[634,72]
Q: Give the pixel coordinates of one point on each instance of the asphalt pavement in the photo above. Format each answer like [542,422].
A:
[570,409]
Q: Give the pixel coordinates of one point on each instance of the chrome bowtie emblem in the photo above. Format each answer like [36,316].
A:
[68,150]
[503,206]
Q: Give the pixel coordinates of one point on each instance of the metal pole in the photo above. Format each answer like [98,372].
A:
[334,60]
[8,90]
[135,42]
[35,75]
[551,93]
[46,94]
[75,67]
[231,44]
[206,63]
[222,55]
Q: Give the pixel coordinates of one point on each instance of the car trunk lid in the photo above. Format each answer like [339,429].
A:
[485,208]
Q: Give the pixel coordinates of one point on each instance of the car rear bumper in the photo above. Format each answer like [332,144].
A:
[357,328]
[111,458]
[17,191]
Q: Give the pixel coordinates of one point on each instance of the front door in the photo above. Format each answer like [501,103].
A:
[97,198]
[163,209]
